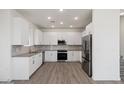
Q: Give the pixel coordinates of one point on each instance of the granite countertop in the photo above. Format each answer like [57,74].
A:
[50,48]
[27,54]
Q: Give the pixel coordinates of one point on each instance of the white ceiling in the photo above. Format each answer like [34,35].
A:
[40,17]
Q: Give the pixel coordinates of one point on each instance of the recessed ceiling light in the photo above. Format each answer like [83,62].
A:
[61,10]
[49,17]
[121,14]
[52,26]
[70,26]
[75,18]
[61,23]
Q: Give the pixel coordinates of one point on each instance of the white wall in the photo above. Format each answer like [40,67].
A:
[5,45]
[122,36]
[106,65]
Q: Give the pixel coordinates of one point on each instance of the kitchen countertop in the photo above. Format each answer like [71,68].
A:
[27,54]
[34,53]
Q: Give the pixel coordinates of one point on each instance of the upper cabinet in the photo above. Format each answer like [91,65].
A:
[25,33]
[31,34]
[38,37]
[20,31]
[71,38]
[49,38]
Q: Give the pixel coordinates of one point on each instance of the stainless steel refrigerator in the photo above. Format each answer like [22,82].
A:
[87,54]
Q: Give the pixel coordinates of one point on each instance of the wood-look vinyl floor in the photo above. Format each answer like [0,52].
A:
[62,73]
[58,73]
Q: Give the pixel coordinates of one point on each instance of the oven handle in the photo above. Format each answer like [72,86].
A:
[61,52]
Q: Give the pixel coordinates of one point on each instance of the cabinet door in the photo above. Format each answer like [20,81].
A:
[17,32]
[53,38]
[39,59]
[62,36]
[70,55]
[36,62]
[76,56]
[31,35]
[25,32]
[47,55]
[51,56]
[50,38]
[21,31]
[20,68]
[54,56]
[46,38]
[31,65]
[37,36]
[41,38]
[73,38]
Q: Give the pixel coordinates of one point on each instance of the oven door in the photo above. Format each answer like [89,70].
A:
[62,56]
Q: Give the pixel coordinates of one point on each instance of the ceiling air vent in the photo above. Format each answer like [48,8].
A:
[52,21]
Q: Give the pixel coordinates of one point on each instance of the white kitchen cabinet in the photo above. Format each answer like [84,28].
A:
[20,31]
[31,63]
[70,56]
[50,56]
[62,35]
[38,37]
[41,37]
[21,68]
[49,38]
[74,56]
[31,35]
[38,61]
[77,55]
[73,38]
[24,67]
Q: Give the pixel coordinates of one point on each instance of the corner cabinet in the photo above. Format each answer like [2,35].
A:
[24,67]
[20,31]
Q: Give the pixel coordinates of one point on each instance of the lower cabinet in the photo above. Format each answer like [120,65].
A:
[24,67]
[50,56]
[74,56]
